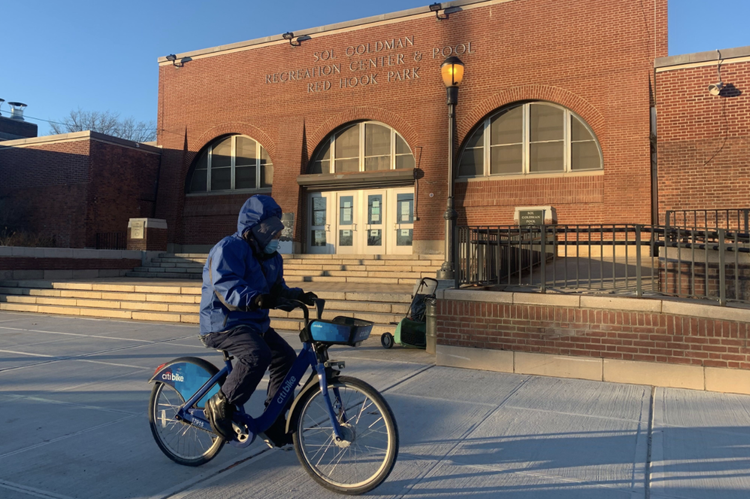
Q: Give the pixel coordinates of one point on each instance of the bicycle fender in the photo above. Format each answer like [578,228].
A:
[176,370]
[312,384]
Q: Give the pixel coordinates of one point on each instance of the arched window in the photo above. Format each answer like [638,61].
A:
[362,147]
[529,138]
[231,163]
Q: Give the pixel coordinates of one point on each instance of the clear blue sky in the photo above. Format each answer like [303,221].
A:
[101,54]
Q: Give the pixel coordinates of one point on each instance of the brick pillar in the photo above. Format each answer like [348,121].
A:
[147,234]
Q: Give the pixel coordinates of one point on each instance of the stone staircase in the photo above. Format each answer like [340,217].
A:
[376,288]
[178,302]
[373,269]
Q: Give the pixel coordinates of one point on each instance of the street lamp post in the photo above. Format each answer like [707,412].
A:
[452,71]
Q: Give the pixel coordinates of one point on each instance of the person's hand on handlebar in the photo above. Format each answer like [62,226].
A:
[308,298]
[269,301]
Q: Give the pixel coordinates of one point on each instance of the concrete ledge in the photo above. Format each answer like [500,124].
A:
[596,369]
[630,304]
[555,300]
[558,365]
[475,358]
[617,303]
[706,311]
[85,253]
[654,373]
[727,380]
[475,295]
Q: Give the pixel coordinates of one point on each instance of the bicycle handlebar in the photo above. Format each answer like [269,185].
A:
[319,306]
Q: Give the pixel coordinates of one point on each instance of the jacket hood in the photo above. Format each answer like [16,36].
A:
[255,210]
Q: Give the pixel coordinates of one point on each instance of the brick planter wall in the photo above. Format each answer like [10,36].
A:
[665,335]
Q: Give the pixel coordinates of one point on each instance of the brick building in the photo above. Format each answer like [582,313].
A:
[78,187]
[553,110]
[703,139]
[570,105]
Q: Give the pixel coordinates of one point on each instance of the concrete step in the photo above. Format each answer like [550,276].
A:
[165,275]
[179,303]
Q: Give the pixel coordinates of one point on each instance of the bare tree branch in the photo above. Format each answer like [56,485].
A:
[106,122]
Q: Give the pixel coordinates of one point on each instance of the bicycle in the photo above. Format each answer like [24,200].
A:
[343,431]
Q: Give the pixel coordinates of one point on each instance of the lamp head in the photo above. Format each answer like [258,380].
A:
[171,57]
[435,7]
[452,71]
[288,35]
[715,88]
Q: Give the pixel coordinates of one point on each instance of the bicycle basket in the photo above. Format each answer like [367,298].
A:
[341,331]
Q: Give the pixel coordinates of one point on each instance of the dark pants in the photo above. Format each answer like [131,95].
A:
[254,353]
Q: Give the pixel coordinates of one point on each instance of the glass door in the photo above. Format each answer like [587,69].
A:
[320,210]
[348,228]
[374,240]
[401,205]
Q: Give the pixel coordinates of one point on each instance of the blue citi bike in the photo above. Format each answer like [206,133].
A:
[343,431]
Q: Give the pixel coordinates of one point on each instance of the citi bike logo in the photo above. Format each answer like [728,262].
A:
[170,376]
[285,389]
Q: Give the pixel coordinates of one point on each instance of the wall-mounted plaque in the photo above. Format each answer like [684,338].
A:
[530,217]
[136,229]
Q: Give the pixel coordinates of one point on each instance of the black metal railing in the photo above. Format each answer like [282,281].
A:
[607,259]
[735,219]
[111,240]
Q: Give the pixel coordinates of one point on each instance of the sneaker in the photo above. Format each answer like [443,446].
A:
[276,435]
[219,413]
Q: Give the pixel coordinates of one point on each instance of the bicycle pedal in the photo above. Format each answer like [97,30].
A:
[241,432]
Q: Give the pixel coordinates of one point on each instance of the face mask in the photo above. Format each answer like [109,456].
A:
[272,246]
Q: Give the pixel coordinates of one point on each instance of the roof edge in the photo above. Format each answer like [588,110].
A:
[456,4]
[87,134]
[697,57]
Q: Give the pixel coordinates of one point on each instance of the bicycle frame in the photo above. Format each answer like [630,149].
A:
[308,357]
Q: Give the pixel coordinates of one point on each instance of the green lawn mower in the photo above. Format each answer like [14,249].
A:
[411,330]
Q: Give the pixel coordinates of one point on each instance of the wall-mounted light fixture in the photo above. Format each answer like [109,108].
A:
[173,59]
[715,88]
[290,36]
[436,8]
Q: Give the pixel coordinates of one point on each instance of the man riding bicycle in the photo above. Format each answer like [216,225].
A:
[242,279]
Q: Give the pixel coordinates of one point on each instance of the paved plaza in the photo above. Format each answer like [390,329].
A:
[74,392]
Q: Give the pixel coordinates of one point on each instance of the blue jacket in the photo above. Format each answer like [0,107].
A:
[237,271]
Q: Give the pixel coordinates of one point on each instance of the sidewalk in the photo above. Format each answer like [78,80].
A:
[73,394]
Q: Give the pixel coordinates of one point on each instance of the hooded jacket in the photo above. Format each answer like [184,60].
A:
[237,271]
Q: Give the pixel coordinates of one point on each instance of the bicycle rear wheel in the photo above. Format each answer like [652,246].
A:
[181,442]
[365,456]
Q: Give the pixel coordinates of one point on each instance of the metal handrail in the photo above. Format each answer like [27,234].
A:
[613,258]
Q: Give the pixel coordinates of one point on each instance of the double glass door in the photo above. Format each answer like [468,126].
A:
[357,222]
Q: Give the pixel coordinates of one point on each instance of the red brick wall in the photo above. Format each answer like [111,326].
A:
[123,187]
[637,336]
[703,140]
[594,57]
[153,240]
[50,183]
[74,189]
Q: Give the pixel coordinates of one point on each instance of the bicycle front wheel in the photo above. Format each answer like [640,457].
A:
[181,442]
[365,456]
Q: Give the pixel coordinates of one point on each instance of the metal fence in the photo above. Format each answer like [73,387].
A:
[604,259]
[112,240]
[731,219]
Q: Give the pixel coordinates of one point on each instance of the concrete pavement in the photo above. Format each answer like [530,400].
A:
[73,399]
